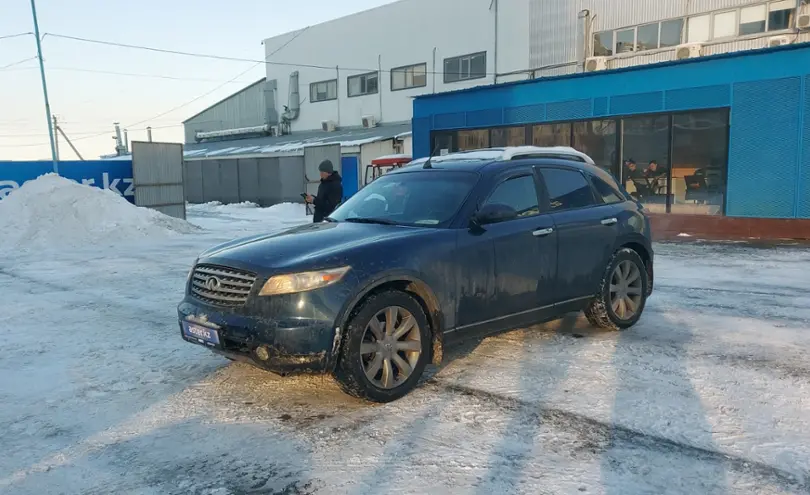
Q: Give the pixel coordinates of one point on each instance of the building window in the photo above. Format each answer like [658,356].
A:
[725,25]
[465,68]
[364,84]
[411,76]
[473,140]
[551,135]
[508,136]
[597,139]
[647,38]
[780,15]
[699,29]
[323,91]
[645,155]
[671,33]
[625,40]
[752,20]
[699,149]
[603,44]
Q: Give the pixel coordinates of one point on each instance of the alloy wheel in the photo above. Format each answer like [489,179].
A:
[391,347]
[625,290]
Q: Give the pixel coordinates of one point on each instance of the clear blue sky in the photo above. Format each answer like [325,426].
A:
[88,103]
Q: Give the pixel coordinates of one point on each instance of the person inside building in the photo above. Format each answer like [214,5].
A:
[655,171]
[631,170]
[330,192]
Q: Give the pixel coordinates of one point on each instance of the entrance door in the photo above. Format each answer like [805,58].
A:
[350,179]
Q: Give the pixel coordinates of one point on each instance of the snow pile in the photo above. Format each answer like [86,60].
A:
[57,212]
[218,207]
[246,218]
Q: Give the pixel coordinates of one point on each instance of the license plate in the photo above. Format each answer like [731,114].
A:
[200,334]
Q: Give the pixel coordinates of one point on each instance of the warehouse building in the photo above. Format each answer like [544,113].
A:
[358,75]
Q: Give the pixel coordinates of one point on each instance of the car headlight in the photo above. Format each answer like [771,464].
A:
[302,282]
[191,271]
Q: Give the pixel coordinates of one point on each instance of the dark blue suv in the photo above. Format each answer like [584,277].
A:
[466,244]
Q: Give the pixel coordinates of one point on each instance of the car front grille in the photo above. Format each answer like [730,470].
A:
[221,286]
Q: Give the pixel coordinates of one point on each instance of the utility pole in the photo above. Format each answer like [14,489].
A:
[56,137]
[54,154]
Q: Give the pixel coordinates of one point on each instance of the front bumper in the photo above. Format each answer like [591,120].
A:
[286,336]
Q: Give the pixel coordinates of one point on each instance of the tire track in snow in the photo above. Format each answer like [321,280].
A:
[599,434]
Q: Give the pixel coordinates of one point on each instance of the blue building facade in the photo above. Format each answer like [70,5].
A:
[729,134]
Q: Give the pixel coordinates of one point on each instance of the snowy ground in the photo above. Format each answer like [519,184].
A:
[710,393]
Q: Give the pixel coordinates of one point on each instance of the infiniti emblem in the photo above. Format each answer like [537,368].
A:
[212,283]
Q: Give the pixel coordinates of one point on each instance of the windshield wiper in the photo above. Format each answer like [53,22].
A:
[330,220]
[381,221]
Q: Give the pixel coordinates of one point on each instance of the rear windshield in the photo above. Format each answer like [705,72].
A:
[416,198]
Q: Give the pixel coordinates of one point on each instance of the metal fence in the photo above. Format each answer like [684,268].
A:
[157,171]
[264,181]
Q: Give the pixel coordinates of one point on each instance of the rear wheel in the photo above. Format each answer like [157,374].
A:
[622,294]
[386,348]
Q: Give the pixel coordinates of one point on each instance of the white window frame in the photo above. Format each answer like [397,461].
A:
[736,33]
[685,28]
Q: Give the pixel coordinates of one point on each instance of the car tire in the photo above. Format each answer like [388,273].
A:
[387,368]
[622,292]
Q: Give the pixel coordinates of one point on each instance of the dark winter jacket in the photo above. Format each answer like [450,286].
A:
[330,194]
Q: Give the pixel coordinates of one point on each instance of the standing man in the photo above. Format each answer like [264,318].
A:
[330,192]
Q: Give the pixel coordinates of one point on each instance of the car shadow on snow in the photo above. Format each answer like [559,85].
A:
[661,438]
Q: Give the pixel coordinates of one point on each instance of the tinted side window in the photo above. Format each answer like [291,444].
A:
[607,192]
[518,193]
[567,189]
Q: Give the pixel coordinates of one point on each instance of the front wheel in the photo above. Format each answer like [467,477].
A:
[386,348]
[622,293]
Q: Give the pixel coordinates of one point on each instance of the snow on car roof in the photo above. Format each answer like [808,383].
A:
[507,153]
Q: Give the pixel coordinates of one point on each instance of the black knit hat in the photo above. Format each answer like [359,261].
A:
[326,167]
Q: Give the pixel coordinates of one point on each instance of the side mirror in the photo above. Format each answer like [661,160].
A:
[494,213]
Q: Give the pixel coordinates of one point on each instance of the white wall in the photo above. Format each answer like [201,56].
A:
[398,34]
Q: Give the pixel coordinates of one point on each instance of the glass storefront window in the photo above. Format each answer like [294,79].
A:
[551,135]
[597,139]
[645,160]
[444,142]
[699,155]
[508,136]
[473,140]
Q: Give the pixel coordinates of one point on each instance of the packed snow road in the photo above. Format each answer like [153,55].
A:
[710,393]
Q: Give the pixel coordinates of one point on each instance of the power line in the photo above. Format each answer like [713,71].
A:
[134,74]
[225,83]
[9,36]
[18,63]
[235,59]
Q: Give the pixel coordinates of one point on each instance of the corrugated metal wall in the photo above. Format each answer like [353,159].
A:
[554,26]
[264,181]
[157,173]
[246,108]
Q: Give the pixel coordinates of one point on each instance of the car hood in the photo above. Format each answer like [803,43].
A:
[320,242]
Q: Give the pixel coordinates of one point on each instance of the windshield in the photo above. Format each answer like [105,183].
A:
[418,198]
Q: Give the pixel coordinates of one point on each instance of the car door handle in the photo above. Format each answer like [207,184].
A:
[542,232]
[610,221]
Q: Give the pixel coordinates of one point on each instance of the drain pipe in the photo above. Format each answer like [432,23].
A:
[379,82]
[434,69]
[495,50]
[337,93]
[584,16]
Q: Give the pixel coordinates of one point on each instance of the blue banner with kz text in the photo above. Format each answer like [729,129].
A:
[115,175]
